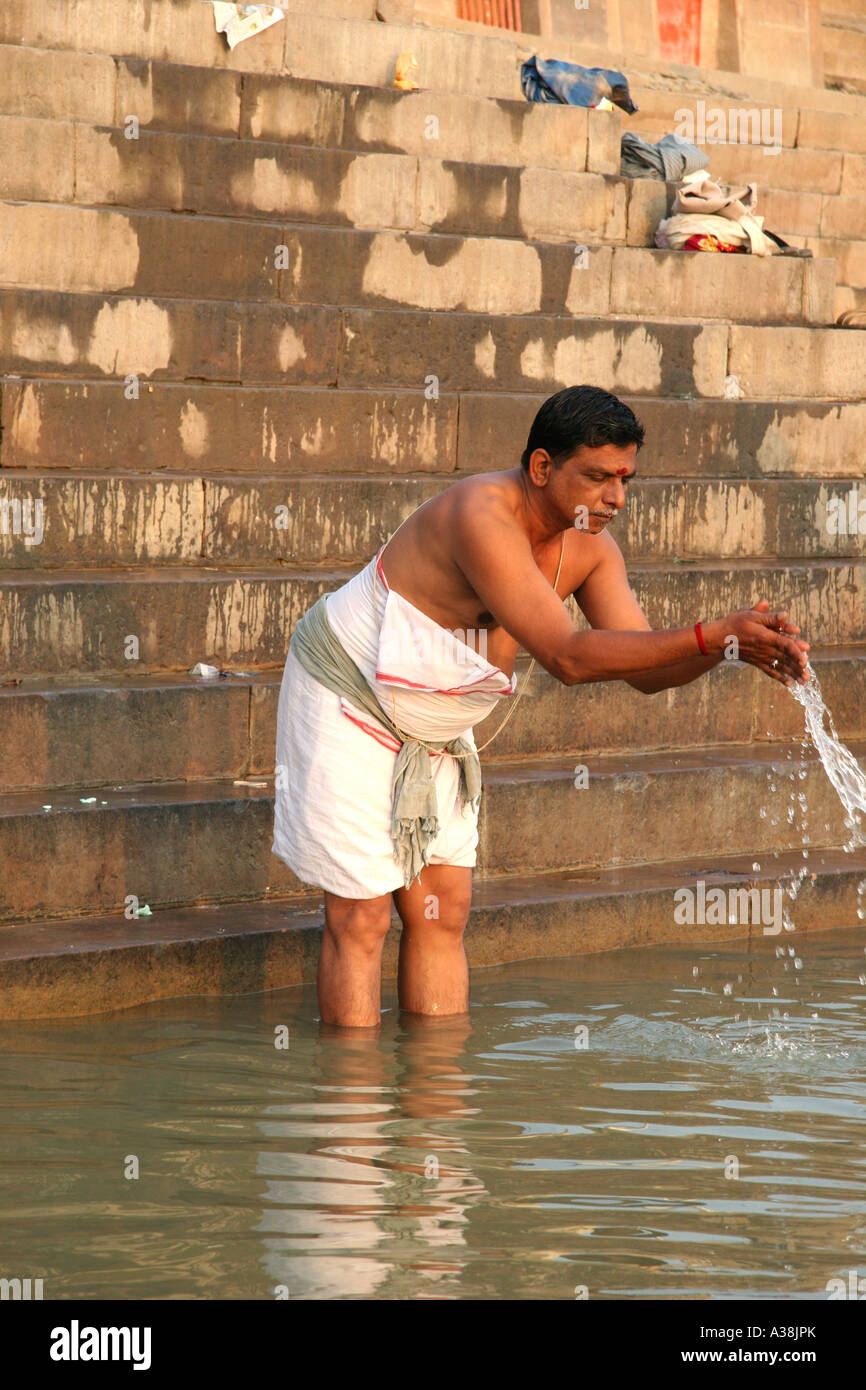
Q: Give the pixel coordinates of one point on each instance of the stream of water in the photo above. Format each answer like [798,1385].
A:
[839,762]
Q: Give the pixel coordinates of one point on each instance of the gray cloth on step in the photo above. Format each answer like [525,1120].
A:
[670,159]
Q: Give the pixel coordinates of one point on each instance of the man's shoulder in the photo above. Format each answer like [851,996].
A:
[598,557]
[483,494]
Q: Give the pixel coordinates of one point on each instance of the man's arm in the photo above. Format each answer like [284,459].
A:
[494,554]
[607,601]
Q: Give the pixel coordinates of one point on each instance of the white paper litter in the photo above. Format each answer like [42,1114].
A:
[239,22]
[208,673]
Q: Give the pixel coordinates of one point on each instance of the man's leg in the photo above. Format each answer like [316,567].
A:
[433,977]
[350,961]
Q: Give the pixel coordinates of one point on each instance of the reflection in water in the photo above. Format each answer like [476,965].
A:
[705,1142]
[384,1178]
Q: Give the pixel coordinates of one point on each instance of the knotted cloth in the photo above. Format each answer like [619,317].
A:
[415,811]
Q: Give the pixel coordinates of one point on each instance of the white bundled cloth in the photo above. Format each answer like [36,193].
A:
[239,22]
[704,208]
[334,792]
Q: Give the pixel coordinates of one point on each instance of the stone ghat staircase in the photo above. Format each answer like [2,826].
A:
[238,349]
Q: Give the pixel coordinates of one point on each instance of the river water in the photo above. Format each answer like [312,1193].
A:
[663,1123]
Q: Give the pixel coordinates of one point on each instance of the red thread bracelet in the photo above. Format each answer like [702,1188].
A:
[700,636]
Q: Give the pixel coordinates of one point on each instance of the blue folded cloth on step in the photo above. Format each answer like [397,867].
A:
[550,79]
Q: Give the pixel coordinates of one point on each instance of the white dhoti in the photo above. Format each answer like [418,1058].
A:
[334,766]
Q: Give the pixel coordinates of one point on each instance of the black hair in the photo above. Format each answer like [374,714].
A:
[581,415]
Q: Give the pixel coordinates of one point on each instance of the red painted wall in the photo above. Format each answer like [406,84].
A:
[680,30]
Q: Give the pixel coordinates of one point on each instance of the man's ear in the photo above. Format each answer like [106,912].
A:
[540,467]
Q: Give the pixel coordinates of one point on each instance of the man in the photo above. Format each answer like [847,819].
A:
[377,775]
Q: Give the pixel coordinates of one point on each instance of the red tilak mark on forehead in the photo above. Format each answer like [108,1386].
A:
[620,472]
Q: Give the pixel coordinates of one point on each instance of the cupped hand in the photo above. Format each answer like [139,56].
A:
[766,640]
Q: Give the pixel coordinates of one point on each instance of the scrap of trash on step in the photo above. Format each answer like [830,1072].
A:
[212,673]
[407,67]
[143,911]
[239,22]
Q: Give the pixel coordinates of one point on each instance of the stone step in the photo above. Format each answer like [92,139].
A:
[55,333]
[694,438]
[97,964]
[219,428]
[171,30]
[62,521]
[798,170]
[527,353]
[177,844]
[190,429]
[170,729]
[46,333]
[94,89]
[150,620]
[850,258]
[60,84]
[184,99]
[850,301]
[752,126]
[453,125]
[228,177]
[220,177]
[149,253]
[53,425]
[844,217]
[645,807]
[336,46]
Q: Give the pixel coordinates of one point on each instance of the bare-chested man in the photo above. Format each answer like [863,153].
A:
[386,677]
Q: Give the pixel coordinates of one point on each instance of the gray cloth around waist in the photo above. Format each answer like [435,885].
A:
[415,812]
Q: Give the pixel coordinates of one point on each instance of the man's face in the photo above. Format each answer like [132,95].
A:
[590,486]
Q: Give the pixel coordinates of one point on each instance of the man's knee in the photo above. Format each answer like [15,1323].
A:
[446,907]
[361,924]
